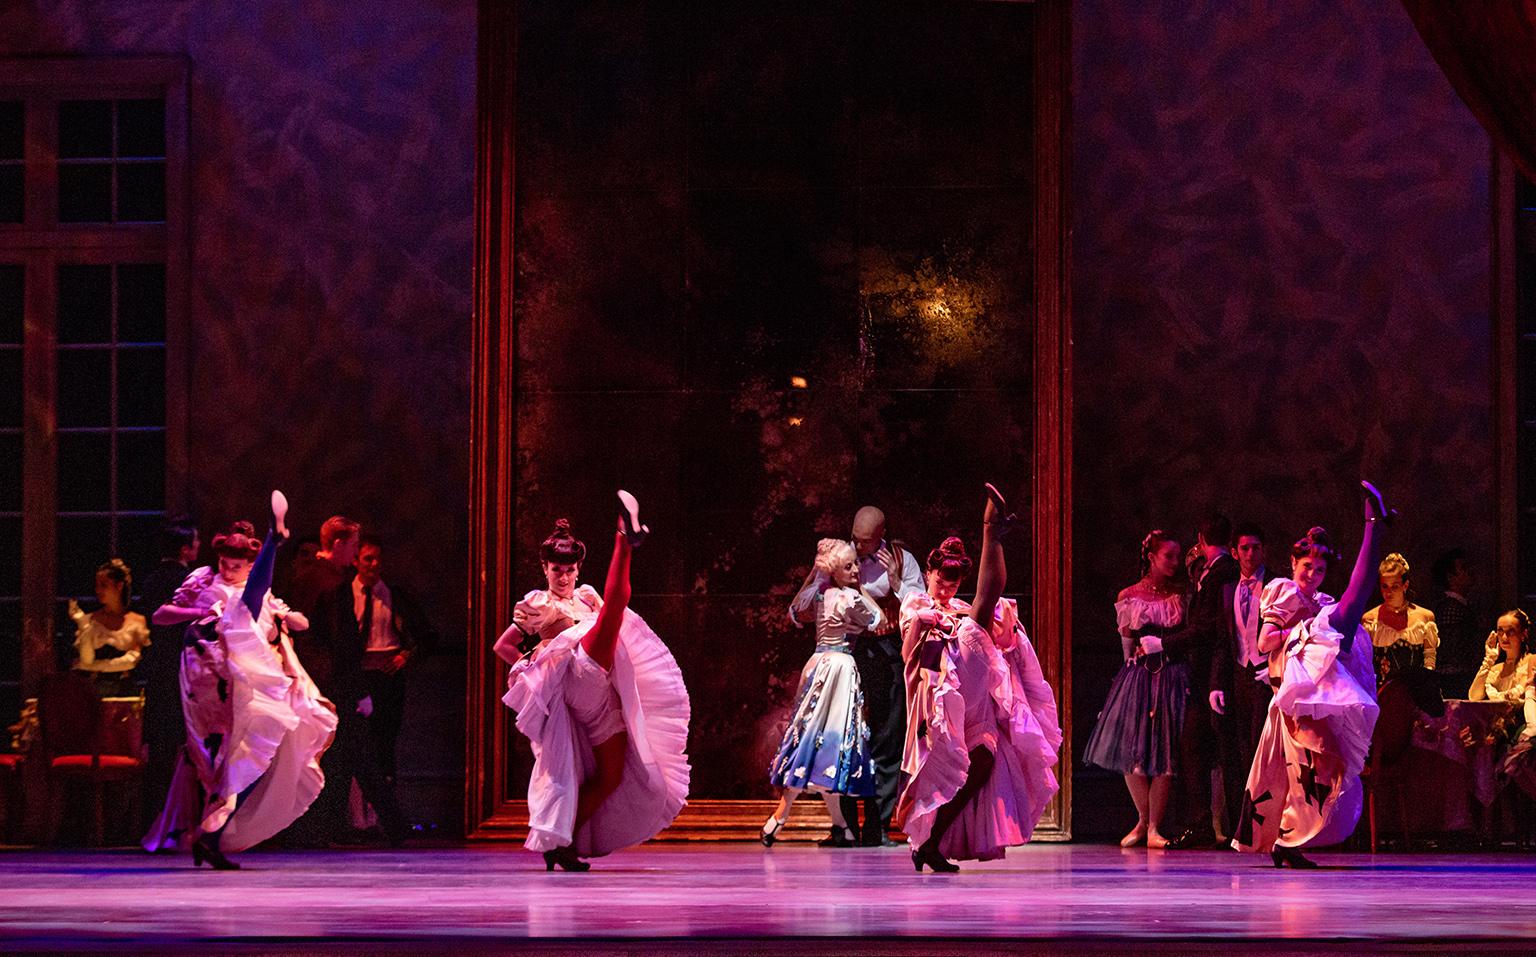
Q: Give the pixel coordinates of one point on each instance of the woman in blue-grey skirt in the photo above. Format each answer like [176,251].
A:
[1138,730]
[826,746]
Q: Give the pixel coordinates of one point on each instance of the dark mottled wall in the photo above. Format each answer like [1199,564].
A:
[1280,284]
[331,185]
[712,200]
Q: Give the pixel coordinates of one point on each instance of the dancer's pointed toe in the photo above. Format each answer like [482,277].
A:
[1377,503]
[279,514]
[997,515]
[629,516]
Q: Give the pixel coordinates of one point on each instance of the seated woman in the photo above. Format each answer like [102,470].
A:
[1508,665]
[110,640]
[1513,640]
[1403,635]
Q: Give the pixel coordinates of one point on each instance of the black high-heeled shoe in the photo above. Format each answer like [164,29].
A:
[1378,503]
[566,858]
[932,857]
[1003,521]
[767,836]
[839,837]
[1290,857]
[634,530]
[203,851]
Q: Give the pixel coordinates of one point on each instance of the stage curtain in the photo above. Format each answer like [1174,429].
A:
[1487,49]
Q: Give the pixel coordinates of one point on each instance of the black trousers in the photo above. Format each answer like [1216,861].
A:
[1238,734]
[388,694]
[885,710]
[1197,758]
[353,755]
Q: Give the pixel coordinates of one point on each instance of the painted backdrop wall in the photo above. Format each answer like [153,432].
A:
[1280,285]
[331,186]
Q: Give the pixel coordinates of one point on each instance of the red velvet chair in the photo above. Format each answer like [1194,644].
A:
[69,717]
[1389,743]
[10,775]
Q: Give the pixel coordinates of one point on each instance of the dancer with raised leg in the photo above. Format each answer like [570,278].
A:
[603,703]
[984,730]
[256,723]
[1304,787]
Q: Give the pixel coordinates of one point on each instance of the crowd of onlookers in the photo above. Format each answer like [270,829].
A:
[1192,624]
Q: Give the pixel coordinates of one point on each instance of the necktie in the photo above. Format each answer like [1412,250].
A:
[365,625]
[1245,601]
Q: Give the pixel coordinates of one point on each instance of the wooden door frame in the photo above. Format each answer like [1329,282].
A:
[489,813]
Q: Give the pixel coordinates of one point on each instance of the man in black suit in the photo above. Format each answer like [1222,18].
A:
[342,629]
[1195,642]
[165,728]
[1240,689]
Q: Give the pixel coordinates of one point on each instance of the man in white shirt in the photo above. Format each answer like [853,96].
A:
[1240,689]
[889,573]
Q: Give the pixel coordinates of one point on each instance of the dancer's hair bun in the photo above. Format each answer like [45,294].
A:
[237,541]
[561,547]
[949,555]
[1316,543]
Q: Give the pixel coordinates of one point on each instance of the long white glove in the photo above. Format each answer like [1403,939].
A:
[1151,644]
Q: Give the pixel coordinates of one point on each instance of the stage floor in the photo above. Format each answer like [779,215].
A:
[739,898]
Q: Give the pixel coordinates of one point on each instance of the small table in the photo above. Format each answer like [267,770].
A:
[1487,721]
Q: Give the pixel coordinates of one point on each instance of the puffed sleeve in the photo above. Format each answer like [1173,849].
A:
[1282,604]
[848,611]
[193,589]
[138,626]
[911,627]
[533,612]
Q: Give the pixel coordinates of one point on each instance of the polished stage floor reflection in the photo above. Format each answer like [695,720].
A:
[490,894]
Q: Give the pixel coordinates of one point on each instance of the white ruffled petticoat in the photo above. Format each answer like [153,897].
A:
[566,704]
[254,717]
[1304,787]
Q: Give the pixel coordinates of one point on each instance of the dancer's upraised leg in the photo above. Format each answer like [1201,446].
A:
[1364,576]
[602,638]
[259,581]
[991,569]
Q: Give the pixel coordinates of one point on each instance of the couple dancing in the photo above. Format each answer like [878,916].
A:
[981,733]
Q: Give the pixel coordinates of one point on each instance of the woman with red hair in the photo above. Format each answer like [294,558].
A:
[256,723]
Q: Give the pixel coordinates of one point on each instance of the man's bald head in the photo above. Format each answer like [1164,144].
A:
[868,530]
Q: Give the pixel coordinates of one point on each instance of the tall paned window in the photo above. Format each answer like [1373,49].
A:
[93,262]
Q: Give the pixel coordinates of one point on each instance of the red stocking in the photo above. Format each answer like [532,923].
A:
[603,637]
